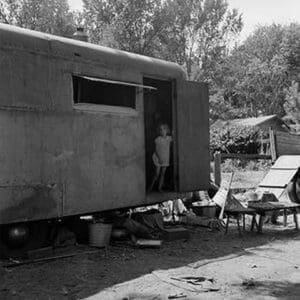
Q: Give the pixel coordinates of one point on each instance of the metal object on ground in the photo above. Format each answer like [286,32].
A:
[176,233]
[99,234]
[119,233]
[148,243]
[17,235]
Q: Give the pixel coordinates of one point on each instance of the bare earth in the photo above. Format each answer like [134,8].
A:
[256,266]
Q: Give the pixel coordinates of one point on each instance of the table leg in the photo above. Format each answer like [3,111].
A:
[227,223]
[253,222]
[284,218]
[260,224]
[295,218]
[256,224]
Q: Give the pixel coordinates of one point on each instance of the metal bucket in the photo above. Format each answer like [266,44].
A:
[99,234]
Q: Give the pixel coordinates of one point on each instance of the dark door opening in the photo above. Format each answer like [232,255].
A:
[158,111]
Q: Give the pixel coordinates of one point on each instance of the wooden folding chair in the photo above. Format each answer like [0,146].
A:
[231,207]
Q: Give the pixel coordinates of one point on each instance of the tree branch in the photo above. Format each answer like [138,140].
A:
[3,17]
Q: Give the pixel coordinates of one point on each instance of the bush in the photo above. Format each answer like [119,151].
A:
[235,139]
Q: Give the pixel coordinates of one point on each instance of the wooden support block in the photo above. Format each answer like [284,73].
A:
[177,233]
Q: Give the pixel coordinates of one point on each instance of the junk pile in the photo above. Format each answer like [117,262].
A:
[148,226]
[140,227]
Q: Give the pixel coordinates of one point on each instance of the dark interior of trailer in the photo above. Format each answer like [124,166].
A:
[157,111]
[102,93]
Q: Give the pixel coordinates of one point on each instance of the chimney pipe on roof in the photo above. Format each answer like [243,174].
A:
[81,35]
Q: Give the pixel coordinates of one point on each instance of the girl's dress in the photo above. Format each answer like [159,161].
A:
[161,157]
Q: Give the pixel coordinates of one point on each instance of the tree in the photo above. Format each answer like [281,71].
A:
[257,75]
[200,34]
[52,16]
[131,25]
[290,49]
[193,33]
[292,103]
[220,108]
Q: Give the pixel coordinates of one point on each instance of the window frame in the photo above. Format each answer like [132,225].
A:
[98,107]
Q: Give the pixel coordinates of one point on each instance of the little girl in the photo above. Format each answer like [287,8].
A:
[161,156]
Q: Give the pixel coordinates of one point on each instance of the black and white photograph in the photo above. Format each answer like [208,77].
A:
[149,149]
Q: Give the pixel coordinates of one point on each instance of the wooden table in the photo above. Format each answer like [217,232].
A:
[236,213]
[261,208]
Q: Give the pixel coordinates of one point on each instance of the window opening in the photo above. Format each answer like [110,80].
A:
[105,92]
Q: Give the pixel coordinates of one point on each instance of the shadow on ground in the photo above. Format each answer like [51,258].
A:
[278,289]
[87,274]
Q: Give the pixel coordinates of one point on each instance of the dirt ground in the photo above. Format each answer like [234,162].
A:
[253,266]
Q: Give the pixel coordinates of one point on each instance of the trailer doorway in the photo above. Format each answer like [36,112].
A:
[158,109]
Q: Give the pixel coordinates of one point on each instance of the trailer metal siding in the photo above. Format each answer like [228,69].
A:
[57,158]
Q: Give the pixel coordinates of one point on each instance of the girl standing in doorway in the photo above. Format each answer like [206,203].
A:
[161,156]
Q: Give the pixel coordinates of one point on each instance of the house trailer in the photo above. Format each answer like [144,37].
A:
[78,123]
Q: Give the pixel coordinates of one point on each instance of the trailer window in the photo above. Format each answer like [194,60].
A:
[95,91]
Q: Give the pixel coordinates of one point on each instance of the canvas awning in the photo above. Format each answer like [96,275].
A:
[118,82]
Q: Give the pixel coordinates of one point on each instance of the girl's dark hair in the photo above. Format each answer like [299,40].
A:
[164,125]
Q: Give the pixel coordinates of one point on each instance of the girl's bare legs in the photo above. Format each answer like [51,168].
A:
[156,175]
[162,178]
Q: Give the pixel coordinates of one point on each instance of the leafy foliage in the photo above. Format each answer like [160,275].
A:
[47,16]
[131,25]
[292,104]
[234,139]
[257,75]
[199,35]
[193,33]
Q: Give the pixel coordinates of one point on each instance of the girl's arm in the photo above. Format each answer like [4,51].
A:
[155,151]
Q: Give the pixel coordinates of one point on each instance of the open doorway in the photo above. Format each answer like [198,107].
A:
[158,110]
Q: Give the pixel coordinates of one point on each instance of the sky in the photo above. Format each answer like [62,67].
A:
[254,12]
